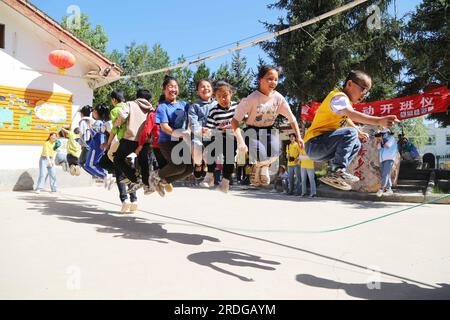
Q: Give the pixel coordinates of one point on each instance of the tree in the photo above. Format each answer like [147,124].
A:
[318,57]
[415,130]
[93,36]
[223,73]
[425,46]
[240,75]
[184,78]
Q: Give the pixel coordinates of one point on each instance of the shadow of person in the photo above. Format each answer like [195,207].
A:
[379,291]
[123,226]
[233,258]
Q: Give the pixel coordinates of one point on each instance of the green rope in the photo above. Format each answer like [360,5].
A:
[345,227]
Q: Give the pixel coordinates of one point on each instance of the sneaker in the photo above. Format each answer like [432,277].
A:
[77,170]
[37,191]
[73,170]
[347,177]
[160,188]
[134,186]
[334,180]
[126,205]
[224,185]
[106,180]
[148,190]
[379,193]
[65,166]
[312,196]
[255,178]
[168,187]
[153,180]
[389,192]
[133,207]
[265,176]
[208,182]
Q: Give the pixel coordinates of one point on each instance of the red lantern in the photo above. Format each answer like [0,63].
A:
[62,60]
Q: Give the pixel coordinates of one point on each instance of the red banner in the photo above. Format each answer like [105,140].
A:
[433,101]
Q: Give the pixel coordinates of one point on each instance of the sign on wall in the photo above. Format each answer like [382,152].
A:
[28,116]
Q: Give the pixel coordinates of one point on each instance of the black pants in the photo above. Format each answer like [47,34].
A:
[159,158]
[106,163]
[123,187]
[72,161]
[125,148]
[228,165]
[172,172]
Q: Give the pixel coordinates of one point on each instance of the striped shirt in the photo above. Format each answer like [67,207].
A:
[220,118]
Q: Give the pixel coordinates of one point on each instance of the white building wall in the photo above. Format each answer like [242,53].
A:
[440,148]
[24,64]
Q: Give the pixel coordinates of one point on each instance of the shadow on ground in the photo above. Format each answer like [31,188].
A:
[232,258]
[127,227]
[382,290]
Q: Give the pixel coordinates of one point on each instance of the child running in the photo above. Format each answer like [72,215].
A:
[85,125]
[333,136]
[263,107]
[171,117]
[98,134]
[223,143]
[73,150]
[198,115]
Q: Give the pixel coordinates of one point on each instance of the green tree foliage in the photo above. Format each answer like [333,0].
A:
[425,46]
[240,75]
[93,36]
[317,58]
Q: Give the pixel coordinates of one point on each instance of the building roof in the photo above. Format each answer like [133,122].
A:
[65,37]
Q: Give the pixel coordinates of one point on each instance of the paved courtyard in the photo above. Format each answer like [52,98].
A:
[202,244]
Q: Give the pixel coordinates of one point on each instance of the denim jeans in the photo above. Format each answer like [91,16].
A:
[312,183]
[341,145]
[294,170]
[386,167]
[43,169]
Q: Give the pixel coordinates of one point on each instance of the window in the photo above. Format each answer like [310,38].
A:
[448,139]
[2,36]
[431,141]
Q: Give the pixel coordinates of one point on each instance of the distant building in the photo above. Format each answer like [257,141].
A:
[437,149]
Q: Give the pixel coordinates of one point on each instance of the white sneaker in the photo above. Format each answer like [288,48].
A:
[133,207]
[37,191]
[148,191]
[379,193]
[126,205]
[73,170]
[224,185]
[265,176]
[77,170]
[389,192]
[208,182]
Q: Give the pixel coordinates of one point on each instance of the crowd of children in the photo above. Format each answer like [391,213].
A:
[175,140]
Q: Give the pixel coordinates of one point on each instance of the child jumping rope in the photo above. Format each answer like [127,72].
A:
[333,136]
[263,107]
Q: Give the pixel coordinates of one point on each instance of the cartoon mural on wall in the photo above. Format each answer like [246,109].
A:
[28,116]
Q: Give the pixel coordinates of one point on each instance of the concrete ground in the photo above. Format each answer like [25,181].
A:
[202,244]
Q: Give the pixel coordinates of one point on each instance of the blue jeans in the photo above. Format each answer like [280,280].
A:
[386,167]
[43,169]
[341,145]
[312,182]
[294,170]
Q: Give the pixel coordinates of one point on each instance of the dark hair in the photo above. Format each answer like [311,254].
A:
[144,94]
[50,135]
[356,75]
[223,84]
[162,98]
[103,112]
[86,111]
[263,70]
[200,81]
[118,95]
[76,130]
[293,135]
[166,81]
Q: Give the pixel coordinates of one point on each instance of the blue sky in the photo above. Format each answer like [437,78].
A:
[181,27]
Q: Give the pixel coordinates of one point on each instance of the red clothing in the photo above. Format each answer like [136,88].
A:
[150,128]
